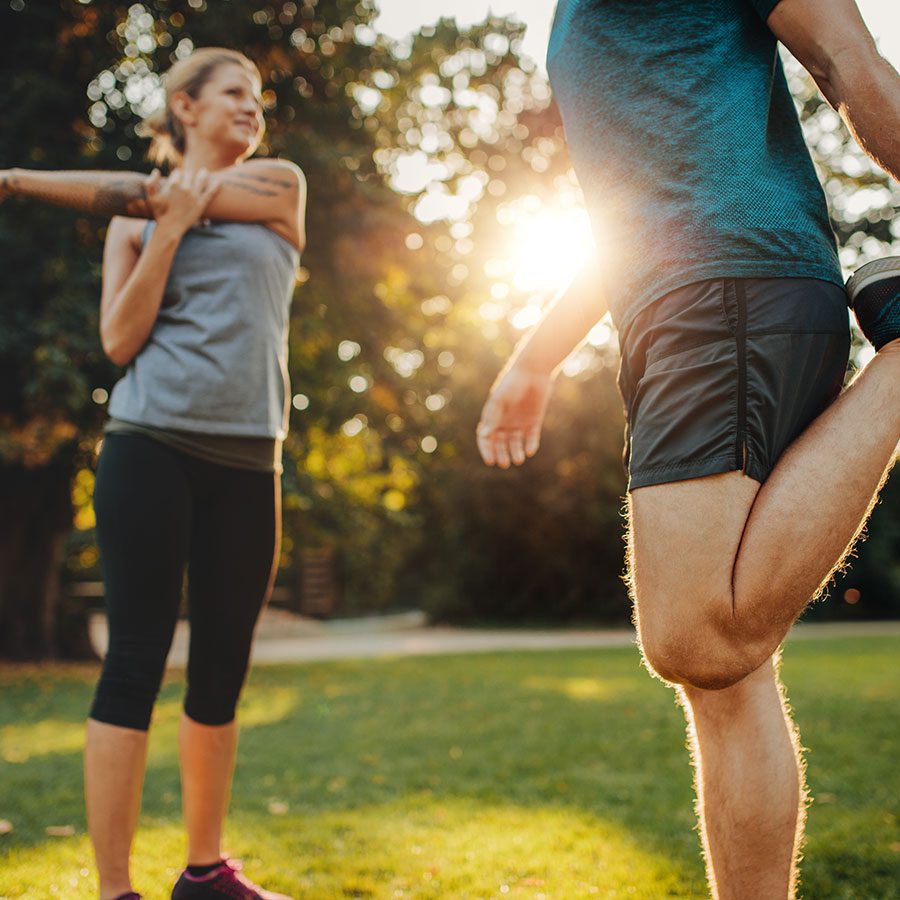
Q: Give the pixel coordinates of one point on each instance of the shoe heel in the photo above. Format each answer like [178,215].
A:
[872,271]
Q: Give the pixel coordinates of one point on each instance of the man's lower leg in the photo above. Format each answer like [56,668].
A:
[749,787]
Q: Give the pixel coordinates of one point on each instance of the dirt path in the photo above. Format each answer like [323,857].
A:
[283,638]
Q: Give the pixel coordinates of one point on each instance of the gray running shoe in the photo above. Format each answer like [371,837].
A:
[874,292]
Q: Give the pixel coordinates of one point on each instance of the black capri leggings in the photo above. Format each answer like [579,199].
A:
[160,511]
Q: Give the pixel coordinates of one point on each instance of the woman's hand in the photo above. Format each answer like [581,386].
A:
[178,202]
[511,421]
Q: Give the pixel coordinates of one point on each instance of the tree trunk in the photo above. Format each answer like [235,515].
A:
[36,621]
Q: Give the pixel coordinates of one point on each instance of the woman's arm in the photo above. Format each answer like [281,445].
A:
[134,280]
[101,193]
[269,191]
[133,286]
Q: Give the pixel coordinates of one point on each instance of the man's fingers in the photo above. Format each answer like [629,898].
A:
[501,450]
[485,445]
[502,441]
[533,441]
[517,447]
[484,433]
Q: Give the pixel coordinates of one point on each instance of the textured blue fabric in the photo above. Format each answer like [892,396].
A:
[764,7]
[687,145]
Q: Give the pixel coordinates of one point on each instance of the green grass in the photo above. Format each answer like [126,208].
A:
[538,775]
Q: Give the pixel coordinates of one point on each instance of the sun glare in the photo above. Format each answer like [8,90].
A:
[541,252]
[548,248]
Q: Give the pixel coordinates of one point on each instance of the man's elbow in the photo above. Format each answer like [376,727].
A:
[851,76]
[838,73]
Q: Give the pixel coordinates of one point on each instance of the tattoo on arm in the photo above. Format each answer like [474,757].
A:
[100,193]
[252,188]
[267,179]
[262,185]
[119,198]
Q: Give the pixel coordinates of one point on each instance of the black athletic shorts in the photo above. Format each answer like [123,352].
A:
[723,375]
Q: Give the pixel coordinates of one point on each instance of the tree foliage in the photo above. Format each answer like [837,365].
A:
[425,162]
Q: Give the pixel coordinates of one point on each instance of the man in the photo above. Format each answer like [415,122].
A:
[748,480]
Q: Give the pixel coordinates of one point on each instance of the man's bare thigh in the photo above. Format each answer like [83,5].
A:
[684,538]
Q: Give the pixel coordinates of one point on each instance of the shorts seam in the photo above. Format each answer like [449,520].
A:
[726,283]
[754,469]
[740,447]
[687,461]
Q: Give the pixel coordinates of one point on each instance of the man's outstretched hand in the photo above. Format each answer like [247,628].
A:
[510,428]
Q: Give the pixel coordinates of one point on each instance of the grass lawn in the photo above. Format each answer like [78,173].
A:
[542,775]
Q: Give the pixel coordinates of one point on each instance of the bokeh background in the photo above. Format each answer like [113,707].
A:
[443,215]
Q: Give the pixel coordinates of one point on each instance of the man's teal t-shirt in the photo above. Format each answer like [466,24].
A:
[687,145]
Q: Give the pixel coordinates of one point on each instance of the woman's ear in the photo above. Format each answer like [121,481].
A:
[181,106]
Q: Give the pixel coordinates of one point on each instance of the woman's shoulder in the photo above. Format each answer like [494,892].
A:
[276,165]
[282,180]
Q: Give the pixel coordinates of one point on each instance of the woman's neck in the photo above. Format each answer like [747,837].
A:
[208,157]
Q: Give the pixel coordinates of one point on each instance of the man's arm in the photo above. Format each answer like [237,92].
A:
[832,42]
[513,415]
[565,324]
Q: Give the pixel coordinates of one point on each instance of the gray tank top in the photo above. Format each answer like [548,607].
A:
[216,359]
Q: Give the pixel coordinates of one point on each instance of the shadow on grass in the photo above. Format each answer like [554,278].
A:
[578,756]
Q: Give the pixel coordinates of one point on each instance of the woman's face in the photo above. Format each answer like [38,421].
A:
[228,109]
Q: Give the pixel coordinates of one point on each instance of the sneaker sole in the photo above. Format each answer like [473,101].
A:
[871,273]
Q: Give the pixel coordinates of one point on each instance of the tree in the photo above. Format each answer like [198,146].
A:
[78,86]
[426,162]
[49,356]
[543,542]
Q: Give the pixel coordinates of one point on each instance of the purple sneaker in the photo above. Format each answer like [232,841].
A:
[131,895]
[224,881]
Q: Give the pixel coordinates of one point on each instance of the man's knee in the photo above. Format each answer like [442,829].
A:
[705,650]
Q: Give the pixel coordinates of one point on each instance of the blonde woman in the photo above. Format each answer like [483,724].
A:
[198,272]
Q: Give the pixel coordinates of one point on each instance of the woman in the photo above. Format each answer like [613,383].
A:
[198,272]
